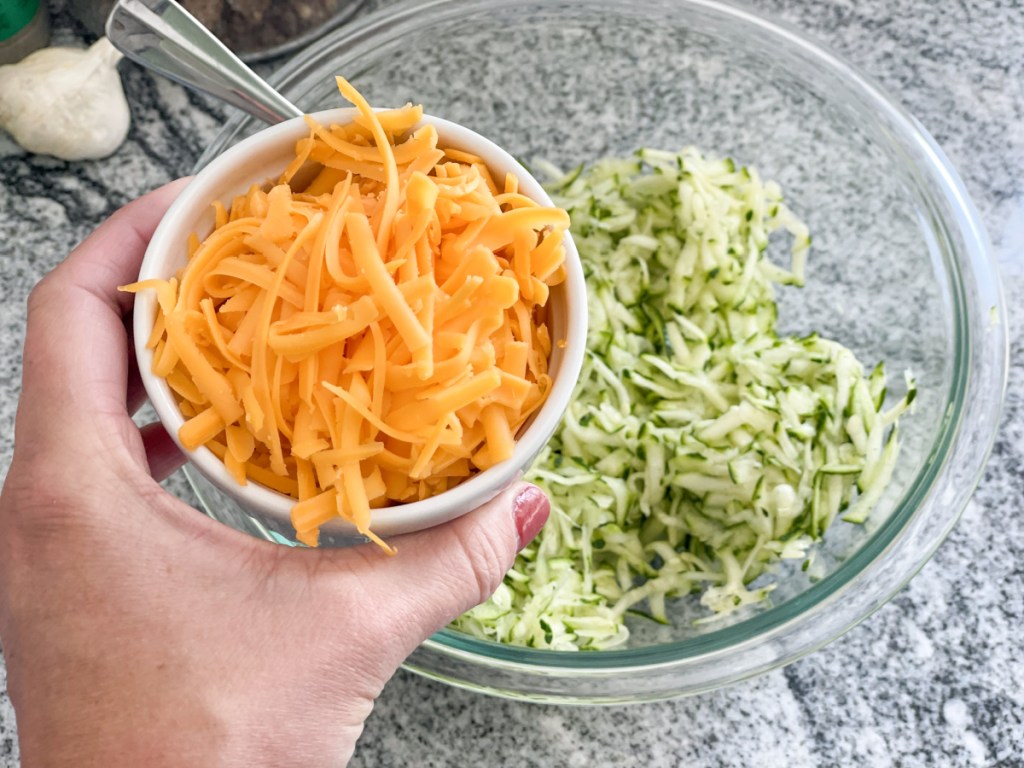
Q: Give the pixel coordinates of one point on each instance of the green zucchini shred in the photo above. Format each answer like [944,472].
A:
[700,447]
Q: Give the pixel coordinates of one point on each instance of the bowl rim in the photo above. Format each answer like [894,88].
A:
[566,360]
[977,339]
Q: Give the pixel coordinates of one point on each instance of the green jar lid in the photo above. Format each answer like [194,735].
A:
[15,16]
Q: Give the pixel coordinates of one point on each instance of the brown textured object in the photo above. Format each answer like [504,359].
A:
[207,11]
[248,25]
[251,28]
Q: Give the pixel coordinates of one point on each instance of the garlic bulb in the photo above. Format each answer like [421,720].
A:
[66,102]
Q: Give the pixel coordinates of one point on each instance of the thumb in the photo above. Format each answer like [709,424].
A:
[442,572]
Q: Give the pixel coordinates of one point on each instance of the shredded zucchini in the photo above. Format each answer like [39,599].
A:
[700,447]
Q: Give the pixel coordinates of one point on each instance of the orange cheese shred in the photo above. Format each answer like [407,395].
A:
[372,337]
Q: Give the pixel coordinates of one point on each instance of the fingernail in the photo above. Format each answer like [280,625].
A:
[531,508]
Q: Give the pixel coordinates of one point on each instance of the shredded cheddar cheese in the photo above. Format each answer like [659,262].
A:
[369,339]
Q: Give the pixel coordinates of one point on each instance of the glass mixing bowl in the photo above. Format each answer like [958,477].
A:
[899,271]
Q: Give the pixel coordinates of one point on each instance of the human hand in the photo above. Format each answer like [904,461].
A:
[138,631]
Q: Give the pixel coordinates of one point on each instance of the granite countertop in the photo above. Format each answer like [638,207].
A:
[935,678]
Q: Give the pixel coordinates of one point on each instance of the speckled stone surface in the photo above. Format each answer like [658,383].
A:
[935,678]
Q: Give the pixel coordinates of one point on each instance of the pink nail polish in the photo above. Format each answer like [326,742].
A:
[531,508]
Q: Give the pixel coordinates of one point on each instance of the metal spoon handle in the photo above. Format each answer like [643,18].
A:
[162,36]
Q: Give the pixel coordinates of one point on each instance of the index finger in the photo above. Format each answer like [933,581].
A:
[112,254]
[75,362]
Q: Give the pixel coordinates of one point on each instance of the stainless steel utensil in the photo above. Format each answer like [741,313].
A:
[164,37]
